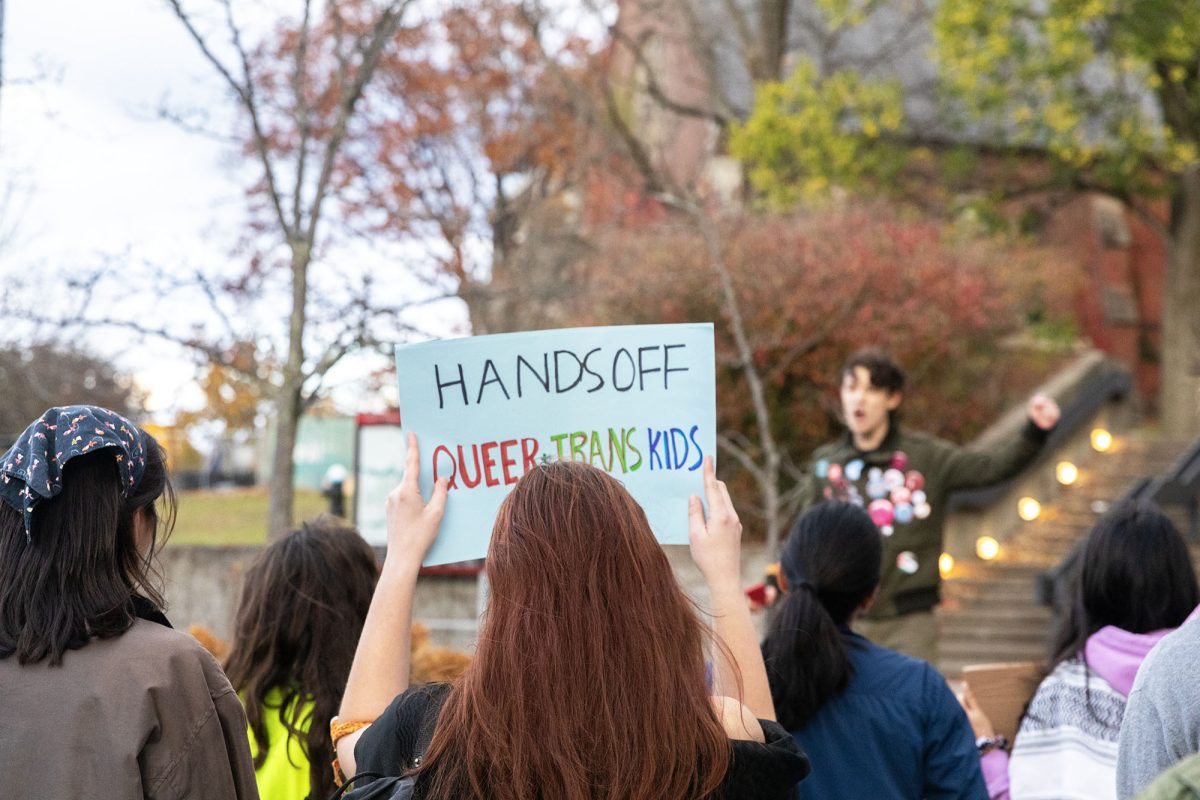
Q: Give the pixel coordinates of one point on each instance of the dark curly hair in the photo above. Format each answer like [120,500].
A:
[303,604]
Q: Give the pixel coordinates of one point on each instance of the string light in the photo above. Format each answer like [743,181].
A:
[987,548]
[1066,472]
[1028,509]
[1102,440]
[946,564]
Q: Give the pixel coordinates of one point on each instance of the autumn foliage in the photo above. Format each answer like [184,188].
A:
[815,287]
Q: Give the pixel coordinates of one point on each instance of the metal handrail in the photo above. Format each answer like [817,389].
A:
[1112,384]
[1178,485]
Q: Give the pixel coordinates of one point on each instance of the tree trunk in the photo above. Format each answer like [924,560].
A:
[1181,315]
[771,458]
[288,403]
[773,18]
[282,491]
[774,513]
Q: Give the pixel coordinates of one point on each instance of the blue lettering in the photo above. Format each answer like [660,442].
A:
[655,437]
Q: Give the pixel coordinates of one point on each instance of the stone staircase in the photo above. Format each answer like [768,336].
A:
[989,612]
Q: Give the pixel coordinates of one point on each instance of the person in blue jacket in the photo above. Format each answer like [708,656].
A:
[874,722]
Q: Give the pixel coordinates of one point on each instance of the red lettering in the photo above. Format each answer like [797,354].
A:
[506,461]
[462,467]
[529,448]
[442,448]
[489,464]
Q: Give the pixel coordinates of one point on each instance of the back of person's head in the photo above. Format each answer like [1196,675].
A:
[885,373]
[302,608]
[1134,573]
[831,565]
[73,570]
[589,677]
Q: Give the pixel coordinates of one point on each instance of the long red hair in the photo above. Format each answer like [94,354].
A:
[589,677]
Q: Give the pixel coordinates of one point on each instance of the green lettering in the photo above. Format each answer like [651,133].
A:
[579,440]
[629,432]
[616,449]
[558,442]
[597,452]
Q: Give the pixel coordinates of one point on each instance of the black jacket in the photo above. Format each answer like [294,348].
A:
[767,771]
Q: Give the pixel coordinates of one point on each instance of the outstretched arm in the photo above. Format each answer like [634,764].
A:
[716,548]
[381,663]
[966,468]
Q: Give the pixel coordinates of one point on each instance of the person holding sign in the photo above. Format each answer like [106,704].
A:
[589,680]
[903,478]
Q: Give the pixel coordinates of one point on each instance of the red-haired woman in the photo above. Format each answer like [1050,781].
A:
[589,679]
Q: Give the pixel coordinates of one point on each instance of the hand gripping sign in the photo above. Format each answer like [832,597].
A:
[637,401]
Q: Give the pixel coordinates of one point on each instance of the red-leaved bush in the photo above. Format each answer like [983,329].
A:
[814,288]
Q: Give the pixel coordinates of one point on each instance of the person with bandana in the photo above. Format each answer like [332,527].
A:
[99,696]
[903,478]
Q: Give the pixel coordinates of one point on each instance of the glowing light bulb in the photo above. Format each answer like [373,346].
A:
[1102,440]
[987,548]
[1066,472]
[1028,509]
[946,564]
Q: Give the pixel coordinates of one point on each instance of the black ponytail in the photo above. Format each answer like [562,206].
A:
[831,562]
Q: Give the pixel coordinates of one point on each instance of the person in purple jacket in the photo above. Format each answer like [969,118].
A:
[1134,585]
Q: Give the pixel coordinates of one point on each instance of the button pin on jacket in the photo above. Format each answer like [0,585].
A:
[881,512]
[854,469]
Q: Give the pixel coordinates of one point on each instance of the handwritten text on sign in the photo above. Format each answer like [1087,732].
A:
[635,401]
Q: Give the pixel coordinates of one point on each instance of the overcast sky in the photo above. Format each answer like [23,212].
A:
[96,174]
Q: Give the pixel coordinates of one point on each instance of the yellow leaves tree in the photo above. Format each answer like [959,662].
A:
[810,132]
[1110,89]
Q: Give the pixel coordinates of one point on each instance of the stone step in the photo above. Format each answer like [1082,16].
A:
[1028,613]
[975,629]
[989,612]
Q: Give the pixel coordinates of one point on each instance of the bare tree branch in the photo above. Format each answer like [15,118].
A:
[743,458]
[304,120]
[244,92]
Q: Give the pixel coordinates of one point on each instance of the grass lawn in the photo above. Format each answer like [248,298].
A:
[233,516]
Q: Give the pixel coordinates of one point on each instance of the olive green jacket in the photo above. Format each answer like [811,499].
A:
[1180,782]
[904,484]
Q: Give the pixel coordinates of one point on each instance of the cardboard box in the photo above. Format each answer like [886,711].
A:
[1003,691]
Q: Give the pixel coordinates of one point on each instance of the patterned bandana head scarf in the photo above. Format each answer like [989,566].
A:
[32,468]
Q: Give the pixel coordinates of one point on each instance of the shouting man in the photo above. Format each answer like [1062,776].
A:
[903,479]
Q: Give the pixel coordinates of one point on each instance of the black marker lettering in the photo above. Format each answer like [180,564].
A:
[488,366]
[642,369]
[543,379]
[461,383]
[667,369]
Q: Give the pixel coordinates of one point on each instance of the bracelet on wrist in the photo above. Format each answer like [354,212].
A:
[986,744]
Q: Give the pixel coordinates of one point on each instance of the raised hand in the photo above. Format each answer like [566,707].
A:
[1043,411]
[412,524]
[716,543]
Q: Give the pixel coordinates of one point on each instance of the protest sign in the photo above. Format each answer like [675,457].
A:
[636,401]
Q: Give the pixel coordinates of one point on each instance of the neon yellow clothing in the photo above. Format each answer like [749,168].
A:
[285,772]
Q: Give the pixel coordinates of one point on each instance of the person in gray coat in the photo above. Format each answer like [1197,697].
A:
[1162,718]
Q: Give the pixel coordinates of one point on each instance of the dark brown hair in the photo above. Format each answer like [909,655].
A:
[589,677]
[302,609]
[885,373]
[77,577]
